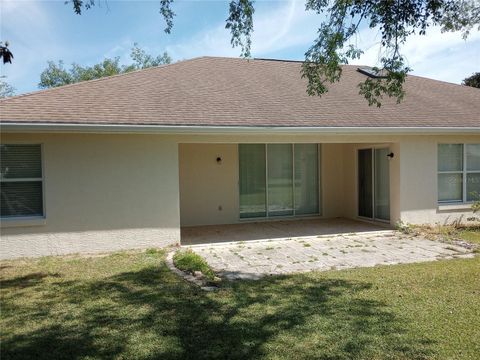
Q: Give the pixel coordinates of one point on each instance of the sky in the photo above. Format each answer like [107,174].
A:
[39,31]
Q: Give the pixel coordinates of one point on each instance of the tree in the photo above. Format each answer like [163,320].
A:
[142,60]
[473,80]
[6,89]
[56,75]
[396,20]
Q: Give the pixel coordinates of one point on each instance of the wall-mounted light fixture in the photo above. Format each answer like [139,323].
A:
[219,160]
[391,155]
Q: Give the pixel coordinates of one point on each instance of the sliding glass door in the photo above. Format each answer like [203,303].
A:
[365,183]
[374,184]
[253,198]
[306,179]
[278,180]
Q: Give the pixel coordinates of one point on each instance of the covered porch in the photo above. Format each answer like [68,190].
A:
[247,191]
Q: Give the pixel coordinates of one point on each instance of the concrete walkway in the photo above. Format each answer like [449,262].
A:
[254,259]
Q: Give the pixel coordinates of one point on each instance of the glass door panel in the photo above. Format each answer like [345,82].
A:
[365,183]
[252,180]
[306,179]
[280,179]
[382,185]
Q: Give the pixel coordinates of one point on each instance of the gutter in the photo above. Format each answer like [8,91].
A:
[13,127]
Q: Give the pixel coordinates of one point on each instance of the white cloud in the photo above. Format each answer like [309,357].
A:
[285,26]
[122,50]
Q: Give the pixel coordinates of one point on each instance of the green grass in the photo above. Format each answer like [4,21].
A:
[471,236]
[188,261]
[130,306]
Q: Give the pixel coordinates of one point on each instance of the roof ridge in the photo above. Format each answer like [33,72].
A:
[279,60]
[104,78]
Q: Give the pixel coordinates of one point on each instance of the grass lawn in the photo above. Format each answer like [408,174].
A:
[129,306]
[471,236]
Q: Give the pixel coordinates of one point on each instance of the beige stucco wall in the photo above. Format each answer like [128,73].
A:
[208,190]
[110,192]
[332,180]
[418,181]
[102,193]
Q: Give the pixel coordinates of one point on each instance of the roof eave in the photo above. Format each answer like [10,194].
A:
[37,127]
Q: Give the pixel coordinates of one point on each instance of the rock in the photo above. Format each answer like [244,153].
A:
[209,288]
[198,274]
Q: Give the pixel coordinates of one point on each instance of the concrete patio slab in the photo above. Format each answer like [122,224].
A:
[270,230]
[253,260]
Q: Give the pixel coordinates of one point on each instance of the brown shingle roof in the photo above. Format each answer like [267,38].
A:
[211,91]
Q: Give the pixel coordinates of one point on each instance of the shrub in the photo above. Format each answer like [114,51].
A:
[476,207]
[404,228]
[476,203]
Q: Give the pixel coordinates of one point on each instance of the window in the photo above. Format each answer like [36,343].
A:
[458,172]
[21,181]
[278,180]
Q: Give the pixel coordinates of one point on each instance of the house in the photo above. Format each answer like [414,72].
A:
[126,161]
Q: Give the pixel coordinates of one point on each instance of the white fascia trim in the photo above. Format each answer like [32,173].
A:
[184,129]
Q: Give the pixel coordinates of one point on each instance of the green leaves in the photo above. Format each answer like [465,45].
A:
[391,84]
[240,23]
[142,60]
[167,13]
[395,20]
[473,80]
[461,15]
[56,74]
[6,89]
[80,5]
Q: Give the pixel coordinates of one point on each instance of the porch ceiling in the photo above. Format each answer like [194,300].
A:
[269,230]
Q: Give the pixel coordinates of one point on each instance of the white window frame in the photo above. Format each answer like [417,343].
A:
[464,172]
[7,219]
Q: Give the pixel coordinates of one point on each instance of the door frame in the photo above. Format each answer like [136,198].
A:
[373,148]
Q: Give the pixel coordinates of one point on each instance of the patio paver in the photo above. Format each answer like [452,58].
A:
[270,230]
[253,260]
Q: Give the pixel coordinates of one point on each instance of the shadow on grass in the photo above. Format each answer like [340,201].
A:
[151,314]
[29,280]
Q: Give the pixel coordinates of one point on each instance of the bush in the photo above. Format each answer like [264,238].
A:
[190,262]
[476,203]
[476,207]
[404,228]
